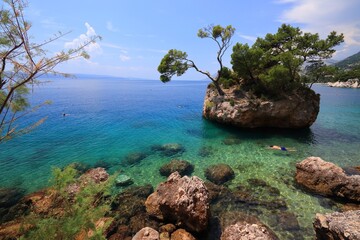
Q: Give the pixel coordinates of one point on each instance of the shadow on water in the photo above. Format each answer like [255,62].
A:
[303,135]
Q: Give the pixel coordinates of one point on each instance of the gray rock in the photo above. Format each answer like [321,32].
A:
[244,230]
[123,180]
[327,179]
[298,110]
[350,83]
[183,201]
[181,166]
[338,225]
[219,173]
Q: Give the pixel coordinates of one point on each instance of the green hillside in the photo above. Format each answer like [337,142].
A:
[349,62]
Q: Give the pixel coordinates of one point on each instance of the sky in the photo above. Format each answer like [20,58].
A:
[136,34]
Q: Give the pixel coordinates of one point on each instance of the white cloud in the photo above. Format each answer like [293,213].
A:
[124,57]
[83,38]
[324,16]
[110,27]
[251,39]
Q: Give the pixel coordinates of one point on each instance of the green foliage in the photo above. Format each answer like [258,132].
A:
[349,62]
[318,72]
[174,62]
[272,66]
[346,74]
[79,213]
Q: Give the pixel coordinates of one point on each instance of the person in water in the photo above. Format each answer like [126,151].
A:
[281,148]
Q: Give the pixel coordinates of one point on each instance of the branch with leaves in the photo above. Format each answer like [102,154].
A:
[176,62]
[22,62]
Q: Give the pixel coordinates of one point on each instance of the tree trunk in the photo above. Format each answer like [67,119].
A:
[218,88]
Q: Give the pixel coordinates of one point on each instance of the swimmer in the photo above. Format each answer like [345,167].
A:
[281,148]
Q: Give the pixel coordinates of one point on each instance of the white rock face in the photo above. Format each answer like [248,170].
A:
[351,83]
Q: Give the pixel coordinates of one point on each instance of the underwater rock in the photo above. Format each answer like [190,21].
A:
[103,164]
[243,109]
[205,151]
[181,166]
[338,225]
[219,173]
[123,180]
[147,233]
[217,191]
[287,221]
[131,201]
[181,200]
[243,230]
[10,196]
[327,179]
[141,220]
[169,149]
[231,140]
[133,159]
[352,170]
[182,234]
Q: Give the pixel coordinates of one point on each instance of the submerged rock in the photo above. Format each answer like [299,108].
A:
[181,166]
[327,179]
[242,109]
[231,140]
[123,180]
[169,149]
[219,173]
[338,225]
[133,158]
[181,200]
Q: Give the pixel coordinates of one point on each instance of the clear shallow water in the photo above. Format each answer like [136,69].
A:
[107,119]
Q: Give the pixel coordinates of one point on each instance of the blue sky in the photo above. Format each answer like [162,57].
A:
[137,33]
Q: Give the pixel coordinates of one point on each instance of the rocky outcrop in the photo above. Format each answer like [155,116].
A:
[181,200]
[338,225]
[219,173]
[181,166]
[351,83]
[327,179]
[244,230]
[242,109]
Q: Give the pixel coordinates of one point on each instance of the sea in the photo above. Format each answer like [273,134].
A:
[101,121]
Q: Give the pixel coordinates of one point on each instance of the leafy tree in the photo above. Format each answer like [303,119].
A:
[177,62]
[273,64]
[21,63]
[319,72]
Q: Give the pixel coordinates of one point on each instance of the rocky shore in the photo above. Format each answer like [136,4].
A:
[351,83]
[243,109]
[188,208]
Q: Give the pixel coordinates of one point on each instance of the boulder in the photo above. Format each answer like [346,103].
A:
[146,234]
[244,230]
[181,200]
[327,179]
[133,158]
[182,234]
[243,109]
[97,175]
[181,166]
[338,225]
[123,180]
[219,173]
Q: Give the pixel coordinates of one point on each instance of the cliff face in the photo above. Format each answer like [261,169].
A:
[242,109]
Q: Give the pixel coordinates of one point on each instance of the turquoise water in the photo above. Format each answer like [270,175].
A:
[108,119]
